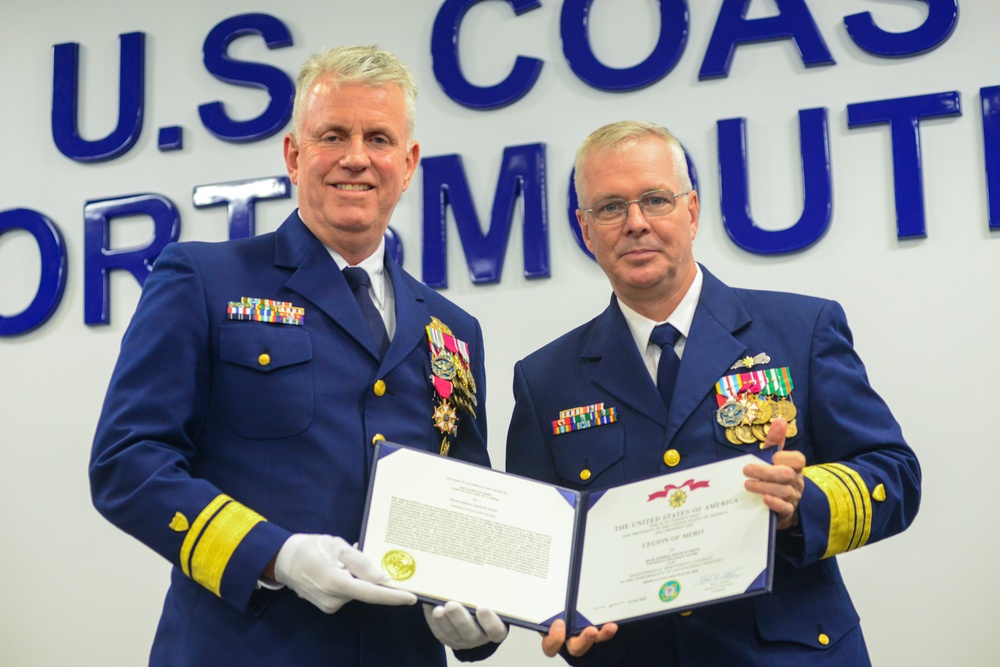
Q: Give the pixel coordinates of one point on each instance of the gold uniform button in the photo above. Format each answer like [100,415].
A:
[378,438]
[685,614]
[823,639]
[379,388]
[672,457]
[585,474]
[264,359]
[879,493]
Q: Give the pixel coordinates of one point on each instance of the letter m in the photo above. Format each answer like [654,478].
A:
[522,177]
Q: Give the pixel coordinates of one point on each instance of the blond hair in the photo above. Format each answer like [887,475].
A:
[368,65]
[622,136]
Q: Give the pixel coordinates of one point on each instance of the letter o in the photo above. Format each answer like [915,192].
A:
[53,281]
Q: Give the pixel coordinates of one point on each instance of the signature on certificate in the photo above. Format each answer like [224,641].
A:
[721,575]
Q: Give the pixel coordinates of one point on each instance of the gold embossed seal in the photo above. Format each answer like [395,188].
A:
[399,565]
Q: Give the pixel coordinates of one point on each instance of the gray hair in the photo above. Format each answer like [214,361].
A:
[368,65]
[620,137]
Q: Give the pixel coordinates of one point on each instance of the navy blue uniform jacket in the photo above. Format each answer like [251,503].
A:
[862,480]
[213,457]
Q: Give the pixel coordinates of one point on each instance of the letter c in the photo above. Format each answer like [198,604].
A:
[448,71]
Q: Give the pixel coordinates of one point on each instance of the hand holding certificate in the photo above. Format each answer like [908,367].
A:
[534,553]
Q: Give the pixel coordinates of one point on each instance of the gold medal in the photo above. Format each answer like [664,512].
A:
[744,434]
[398,564]
[765,411]
[731,436]
[786,409]
[758,432]
[793,429]
[445,418]
[464,390]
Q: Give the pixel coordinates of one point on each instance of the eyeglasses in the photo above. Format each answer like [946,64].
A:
[652,204]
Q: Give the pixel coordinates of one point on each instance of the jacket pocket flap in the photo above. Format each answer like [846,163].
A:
[581,456]
[265,348]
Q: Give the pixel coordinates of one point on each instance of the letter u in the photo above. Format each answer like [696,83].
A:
[131,91]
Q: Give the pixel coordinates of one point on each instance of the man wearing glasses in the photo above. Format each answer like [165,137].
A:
[681,370]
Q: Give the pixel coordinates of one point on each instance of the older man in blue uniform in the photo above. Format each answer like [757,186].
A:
[696,372]
[256,375]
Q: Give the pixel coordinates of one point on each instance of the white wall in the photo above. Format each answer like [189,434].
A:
[77,591]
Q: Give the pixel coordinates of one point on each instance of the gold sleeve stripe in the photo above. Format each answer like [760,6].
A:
[850,506]
[862,503]
[213,538]
[196,527]
[217,544]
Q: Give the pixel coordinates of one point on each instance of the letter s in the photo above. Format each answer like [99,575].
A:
[278,85]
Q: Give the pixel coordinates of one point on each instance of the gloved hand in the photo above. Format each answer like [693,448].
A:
[329,572]
[455,627]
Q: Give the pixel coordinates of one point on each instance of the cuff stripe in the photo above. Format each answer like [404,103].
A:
[197,526]
[850,506]
[213,539]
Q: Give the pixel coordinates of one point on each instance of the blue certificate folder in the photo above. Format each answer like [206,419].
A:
[535,552]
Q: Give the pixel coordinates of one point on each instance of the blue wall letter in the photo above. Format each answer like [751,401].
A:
[273,80]
[50,288]
[131,90]
[239,197]
[576,46]
[522,174]
[99,259]
[991,148]
[941,20]
[903,116]
[448,71]
[732,28]
[814,146]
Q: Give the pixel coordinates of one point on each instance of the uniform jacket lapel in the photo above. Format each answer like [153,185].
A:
[317,279]
[710,350]
[412,317]
[617,367]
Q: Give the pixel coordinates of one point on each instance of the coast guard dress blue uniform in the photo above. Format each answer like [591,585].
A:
[220,437]
[862,481]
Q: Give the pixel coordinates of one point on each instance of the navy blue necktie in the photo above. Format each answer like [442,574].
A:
[665,335]
[359,281]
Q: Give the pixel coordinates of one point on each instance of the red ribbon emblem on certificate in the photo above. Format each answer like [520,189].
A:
[690,485]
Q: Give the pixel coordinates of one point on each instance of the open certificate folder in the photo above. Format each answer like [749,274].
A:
[533,552]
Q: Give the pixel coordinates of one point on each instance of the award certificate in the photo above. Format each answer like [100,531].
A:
[533,552]
[674,542]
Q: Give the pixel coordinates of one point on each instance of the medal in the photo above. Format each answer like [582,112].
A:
[749,402]
[443,367]
[730,414]
[744,434]
[451,376]
[445,418]
[765,411]
[786,409]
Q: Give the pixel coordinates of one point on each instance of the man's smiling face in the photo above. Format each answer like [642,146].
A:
[351,160]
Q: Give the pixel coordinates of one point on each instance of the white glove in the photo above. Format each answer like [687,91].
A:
[329,572]
[455,627]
